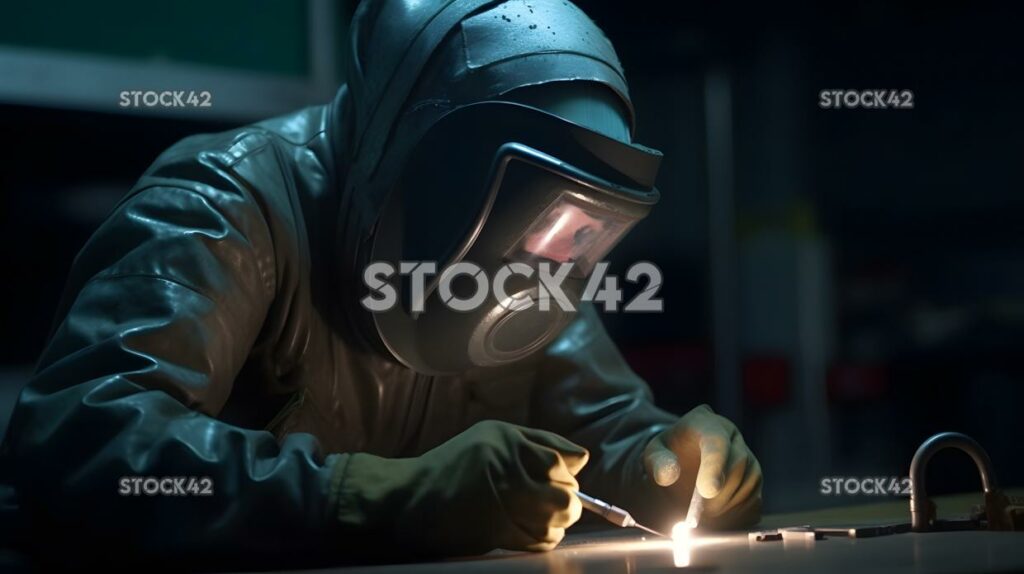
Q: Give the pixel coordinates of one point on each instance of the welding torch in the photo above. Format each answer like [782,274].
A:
[613,514]
[623,519]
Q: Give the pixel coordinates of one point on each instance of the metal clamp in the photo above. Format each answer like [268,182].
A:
[922,509]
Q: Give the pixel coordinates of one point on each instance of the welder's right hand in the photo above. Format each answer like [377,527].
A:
[495,485]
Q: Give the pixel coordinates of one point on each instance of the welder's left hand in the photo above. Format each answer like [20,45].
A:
[706,451]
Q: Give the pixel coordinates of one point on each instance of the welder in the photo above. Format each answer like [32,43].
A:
[213,329]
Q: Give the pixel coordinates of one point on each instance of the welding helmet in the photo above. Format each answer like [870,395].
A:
[491,184]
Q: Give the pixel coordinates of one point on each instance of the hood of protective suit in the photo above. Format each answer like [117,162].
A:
[413,62]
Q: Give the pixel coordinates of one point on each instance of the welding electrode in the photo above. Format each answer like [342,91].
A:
[695,510]
[613,514]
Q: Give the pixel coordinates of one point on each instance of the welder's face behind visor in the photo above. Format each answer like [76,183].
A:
[531,207]
[571,231]
[546,211]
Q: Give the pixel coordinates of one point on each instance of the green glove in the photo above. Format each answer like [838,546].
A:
[495,485]
[706,451]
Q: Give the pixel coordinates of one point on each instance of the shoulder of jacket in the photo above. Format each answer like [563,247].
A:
[297,129]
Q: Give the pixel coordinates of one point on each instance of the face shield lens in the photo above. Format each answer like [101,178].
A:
[571,231]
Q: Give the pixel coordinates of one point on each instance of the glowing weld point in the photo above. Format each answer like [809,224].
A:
[682,531]
[682,543]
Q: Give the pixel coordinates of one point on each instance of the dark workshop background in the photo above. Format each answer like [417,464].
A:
[842,283]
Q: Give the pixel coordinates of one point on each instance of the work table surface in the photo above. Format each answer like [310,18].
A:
[630,551]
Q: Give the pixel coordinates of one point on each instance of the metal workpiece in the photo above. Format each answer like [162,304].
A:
[922,509]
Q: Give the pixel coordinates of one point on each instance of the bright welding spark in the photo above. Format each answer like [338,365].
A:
[682,532]
[682,544]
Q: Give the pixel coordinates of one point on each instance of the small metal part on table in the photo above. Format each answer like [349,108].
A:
[806,532]
[764,536]
[802,533]
[865,531]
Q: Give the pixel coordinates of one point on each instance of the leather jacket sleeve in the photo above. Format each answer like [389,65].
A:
[162,308]
[586,392]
